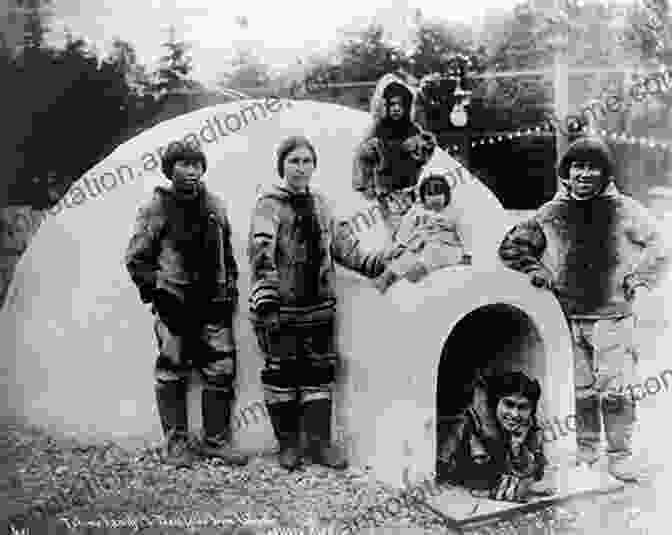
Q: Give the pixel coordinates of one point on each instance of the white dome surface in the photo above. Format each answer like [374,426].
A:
[79,345]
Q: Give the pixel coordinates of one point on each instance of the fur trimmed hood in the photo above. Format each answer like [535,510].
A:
[377,103]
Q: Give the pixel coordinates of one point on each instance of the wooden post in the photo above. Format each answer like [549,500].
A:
[561,88]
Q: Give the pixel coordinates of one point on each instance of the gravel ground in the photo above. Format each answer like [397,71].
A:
[74,485]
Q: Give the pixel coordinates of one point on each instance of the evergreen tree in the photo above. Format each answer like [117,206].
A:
[174,67]
[247,71]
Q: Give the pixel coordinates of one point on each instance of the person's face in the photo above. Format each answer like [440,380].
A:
[435,196]
[187,176]
[513,412]
[299,166]
[395,108]
[436,202]
[585,179]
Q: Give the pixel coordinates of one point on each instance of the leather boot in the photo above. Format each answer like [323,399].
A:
[619,423]
[285,420]
[588,430]
[316,422]
[216,412]
[171,401]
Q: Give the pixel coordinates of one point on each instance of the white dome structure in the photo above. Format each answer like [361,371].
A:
[79,346]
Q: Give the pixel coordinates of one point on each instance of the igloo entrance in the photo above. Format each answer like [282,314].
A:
[512,343]
[490,340]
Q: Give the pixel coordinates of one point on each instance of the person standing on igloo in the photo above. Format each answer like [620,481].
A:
[293,243]
[600,252]
[388,162]
[181,259]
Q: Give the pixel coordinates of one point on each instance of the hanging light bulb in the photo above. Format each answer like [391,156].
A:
[459,115]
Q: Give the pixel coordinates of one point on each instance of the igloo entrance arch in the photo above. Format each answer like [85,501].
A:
[513,343]
[81,346]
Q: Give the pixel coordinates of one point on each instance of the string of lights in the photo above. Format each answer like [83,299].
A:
[616,137]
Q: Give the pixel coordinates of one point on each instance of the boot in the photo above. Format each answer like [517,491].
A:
[171,400]
[588,430]
[316,422]
[216,411]
[285,420]
[619,423]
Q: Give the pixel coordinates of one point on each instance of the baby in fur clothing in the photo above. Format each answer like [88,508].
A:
[429,236]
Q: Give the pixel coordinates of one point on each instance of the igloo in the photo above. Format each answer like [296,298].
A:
[79,346]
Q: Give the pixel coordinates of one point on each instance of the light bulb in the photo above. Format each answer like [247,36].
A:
[458,116]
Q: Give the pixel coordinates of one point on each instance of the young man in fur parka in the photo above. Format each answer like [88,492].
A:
[388,162]
[600,252]
[181,259]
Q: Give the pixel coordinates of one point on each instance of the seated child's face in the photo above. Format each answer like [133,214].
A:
[435,201]
[513,412]
[435,194]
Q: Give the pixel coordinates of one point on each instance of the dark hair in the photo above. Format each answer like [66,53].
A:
[588,149]
[510,383]
[434,178]
[178,150]
[290,144]
[398,89]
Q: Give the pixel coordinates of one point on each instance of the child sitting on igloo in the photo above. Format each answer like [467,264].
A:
[429,236]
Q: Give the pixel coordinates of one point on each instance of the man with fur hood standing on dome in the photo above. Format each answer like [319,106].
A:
[389,160]
[601,253]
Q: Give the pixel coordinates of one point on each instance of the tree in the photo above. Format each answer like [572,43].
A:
[36,16]
[125,60]
[247,71]
[84,95]
[365,56]
[435,44]
[174,68]
[649,30]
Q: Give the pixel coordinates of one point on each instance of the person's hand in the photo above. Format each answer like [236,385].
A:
[270,318]
[417,272]
[411,145]
[369,193]
[170,310]
[381,284]
[648,309]
[541,279]
[541,489]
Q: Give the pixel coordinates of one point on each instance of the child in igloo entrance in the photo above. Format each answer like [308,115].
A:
[496,449]
[429,236]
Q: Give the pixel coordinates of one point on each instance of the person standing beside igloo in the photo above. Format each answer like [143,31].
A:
[388,162]
[600,252]
[181,259]
[293,243]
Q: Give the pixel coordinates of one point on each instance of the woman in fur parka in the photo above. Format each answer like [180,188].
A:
[294,243]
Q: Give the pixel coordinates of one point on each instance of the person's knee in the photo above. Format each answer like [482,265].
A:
[317,373]
[220,371]
[167,370]
[283,375]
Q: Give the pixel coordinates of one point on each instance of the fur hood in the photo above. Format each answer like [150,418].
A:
[377,103]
